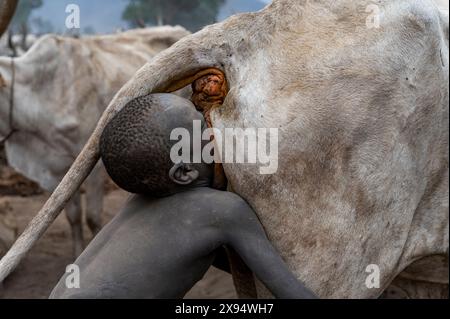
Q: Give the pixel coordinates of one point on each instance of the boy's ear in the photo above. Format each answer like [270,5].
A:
[183,174]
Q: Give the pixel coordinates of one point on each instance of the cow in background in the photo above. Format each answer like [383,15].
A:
[52,97]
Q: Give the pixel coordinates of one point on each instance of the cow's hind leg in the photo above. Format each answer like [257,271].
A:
[405,288]
[74,215]
[94,199]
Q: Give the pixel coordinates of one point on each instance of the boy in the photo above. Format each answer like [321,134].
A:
[165,239]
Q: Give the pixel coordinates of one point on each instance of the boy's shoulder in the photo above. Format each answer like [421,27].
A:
[228,204]
[215,196]
[201,198]
[202,205]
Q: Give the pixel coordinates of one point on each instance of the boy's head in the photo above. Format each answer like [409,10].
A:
[135,146]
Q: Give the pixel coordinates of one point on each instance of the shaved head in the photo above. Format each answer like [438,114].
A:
[135,146]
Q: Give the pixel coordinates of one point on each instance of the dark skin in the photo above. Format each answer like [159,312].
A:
[160,246]
[137,255]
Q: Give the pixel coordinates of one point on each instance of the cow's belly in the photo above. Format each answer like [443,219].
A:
[426,278]
[37,161]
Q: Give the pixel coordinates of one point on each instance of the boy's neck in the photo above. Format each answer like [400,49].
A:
[183,189]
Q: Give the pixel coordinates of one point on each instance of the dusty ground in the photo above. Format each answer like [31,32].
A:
[41,270]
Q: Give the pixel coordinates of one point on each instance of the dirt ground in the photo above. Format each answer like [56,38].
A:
[42,268]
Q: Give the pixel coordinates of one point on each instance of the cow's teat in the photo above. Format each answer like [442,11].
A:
[209,91]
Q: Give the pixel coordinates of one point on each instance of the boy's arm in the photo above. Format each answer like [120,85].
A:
[247,236]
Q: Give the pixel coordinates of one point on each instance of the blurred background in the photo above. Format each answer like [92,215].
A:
[39,17]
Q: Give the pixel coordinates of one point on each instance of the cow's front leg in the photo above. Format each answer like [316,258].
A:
[94,187]
[74,215]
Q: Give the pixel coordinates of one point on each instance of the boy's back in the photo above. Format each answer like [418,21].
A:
[156,235]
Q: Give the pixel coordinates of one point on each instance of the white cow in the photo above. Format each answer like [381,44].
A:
[442,4]
[358,90]
[14,46]
[52,97]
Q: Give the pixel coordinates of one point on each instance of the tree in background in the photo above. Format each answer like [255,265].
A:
[23,12]
[41,26]
[191,14]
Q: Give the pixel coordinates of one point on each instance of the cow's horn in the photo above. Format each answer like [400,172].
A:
[7,9]
[168,72]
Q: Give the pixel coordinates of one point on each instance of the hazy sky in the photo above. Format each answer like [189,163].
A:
[105,16]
